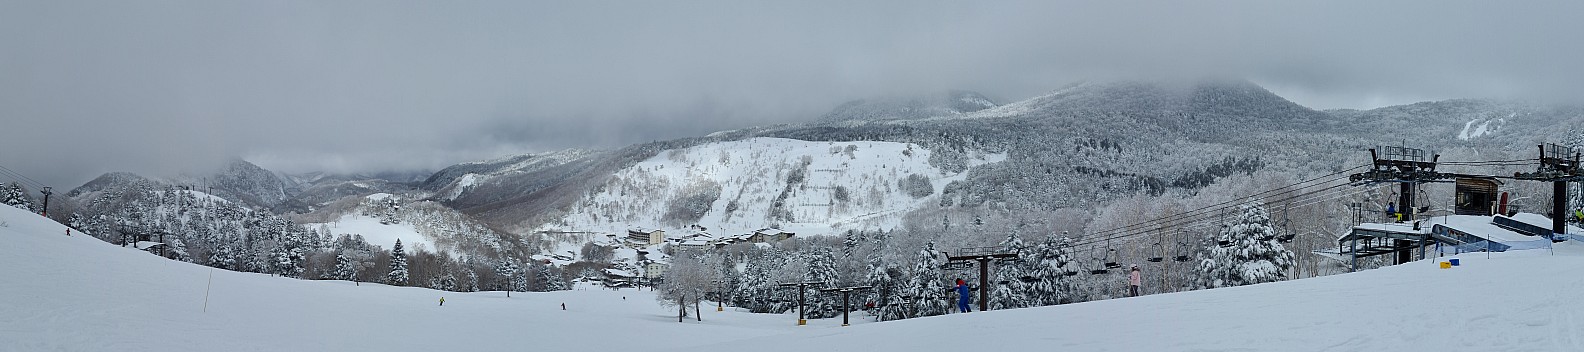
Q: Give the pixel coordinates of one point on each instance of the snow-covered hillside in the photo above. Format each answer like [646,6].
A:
[379,234]
[128,300]
[739,186]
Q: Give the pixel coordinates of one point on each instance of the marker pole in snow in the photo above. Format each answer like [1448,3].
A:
[206,290]
[800,286]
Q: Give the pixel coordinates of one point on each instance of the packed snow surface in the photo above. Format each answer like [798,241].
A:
[78,293]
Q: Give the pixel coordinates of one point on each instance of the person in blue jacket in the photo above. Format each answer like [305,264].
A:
[962,296]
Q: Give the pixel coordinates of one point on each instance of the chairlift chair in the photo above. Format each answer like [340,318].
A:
[1159,251]
[1223,241]
[1182,252]
[1111,257]
[1100,268]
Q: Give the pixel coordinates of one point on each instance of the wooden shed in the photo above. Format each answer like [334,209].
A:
[1476,196]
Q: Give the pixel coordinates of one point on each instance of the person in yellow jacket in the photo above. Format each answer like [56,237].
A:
[442,301]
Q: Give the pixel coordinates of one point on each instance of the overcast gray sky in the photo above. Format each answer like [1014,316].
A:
[160,87]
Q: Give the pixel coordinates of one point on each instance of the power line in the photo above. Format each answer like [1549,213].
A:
[1202,215]
[1198,216]
[1227,204]
[20,177]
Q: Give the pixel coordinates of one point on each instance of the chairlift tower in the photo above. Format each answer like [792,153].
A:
[1558,165]
[983,255]
[1408,167]
[801,288]
[846,298]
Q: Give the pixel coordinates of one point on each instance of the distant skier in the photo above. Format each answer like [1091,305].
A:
[442,301]
[1133,281]
[563,305]
[962,296]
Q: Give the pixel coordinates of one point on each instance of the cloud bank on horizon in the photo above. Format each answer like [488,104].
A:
[171,86]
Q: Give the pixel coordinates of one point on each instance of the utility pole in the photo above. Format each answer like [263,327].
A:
[47,192]
[983,255]
[801,288]
[846,298]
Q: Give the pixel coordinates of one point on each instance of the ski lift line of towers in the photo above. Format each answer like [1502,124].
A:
[1216,211]
[1555,167]
[1407,167]
[1200,216]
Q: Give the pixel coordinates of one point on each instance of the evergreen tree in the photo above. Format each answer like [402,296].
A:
[551,279]
[890,284]
[223,257]
[509,276]
[471,282]
[77,222]
[1047,272]
[443,282]
[398,266]
[13,195]
[344,268]
[1010,289]
[753,289]
[821,269]
[1252,256]
[928,291]
[178,249]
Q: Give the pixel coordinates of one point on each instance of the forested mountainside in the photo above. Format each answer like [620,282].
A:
[1074,148]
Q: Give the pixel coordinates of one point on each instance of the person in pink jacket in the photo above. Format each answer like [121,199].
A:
[1133,281]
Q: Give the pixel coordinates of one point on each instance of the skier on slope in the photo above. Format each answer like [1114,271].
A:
[1133,281]
[962,296]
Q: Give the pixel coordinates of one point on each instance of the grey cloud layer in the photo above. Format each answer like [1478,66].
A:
[162,87]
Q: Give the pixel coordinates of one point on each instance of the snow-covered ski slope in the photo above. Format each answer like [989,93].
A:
[822,187]
[79,294]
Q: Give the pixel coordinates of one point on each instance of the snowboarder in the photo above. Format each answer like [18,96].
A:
[1133,281]
[563,305]
[962,296]
[442,301]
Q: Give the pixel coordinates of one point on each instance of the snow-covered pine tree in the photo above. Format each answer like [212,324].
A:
[1247,259]
[223,257]
[890,284]
[13,195]
[1010,290]
[344,268]
[928,291]
[178,249]
[398,266]
[511,276]
[822,269]
[470,282]
[550,278]
[77,222]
